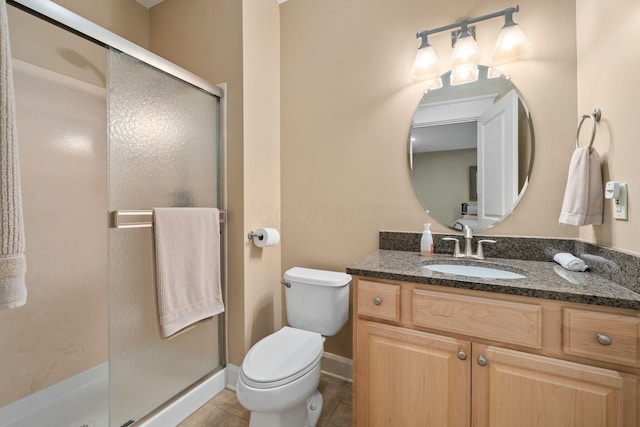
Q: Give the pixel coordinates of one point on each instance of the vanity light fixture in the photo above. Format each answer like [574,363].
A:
[465,58]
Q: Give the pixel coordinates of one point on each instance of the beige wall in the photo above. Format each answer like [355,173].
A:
[608,68]
[261,72]
[47,46]
[443,176]
[347,102]
[126,18]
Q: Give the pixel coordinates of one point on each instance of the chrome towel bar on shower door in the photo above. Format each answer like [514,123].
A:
[140,219]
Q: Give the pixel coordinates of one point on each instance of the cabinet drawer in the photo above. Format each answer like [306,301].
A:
[381,300]
[503,321]
[601,336]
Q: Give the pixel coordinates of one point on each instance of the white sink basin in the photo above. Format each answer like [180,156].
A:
[474,271]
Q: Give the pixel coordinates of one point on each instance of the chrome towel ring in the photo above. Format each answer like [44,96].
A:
[595,117]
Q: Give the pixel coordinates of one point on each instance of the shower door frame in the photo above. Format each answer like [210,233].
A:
[65,19]
[84,28]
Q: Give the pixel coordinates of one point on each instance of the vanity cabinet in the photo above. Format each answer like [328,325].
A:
[411,378]
[435,356]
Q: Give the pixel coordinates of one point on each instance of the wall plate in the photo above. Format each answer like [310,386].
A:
[620,209]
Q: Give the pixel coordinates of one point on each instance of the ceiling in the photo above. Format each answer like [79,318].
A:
[150,3]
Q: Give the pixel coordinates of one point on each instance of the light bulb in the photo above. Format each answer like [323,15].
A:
[510,46]
[426,66]
[465,52]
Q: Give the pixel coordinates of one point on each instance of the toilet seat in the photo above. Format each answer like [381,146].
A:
[281,358]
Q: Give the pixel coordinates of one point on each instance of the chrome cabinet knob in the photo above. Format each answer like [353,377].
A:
[462,355]
[482,361]
[604,339]
[377,300]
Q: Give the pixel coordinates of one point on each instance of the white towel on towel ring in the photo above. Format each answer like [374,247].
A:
[584,195]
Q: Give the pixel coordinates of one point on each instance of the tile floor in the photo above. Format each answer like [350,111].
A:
[224,410]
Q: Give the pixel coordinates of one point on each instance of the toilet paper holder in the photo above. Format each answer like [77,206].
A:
[264,237]
[253,234]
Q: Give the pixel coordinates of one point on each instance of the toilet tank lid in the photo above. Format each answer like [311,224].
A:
[317,277]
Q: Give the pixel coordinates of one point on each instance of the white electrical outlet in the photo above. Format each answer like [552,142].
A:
[620,210]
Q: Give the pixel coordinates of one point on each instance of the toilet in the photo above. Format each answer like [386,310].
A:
[280,374]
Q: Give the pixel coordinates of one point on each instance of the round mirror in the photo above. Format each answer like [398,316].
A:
[471,151]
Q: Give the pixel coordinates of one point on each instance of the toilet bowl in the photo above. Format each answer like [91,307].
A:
[280,374]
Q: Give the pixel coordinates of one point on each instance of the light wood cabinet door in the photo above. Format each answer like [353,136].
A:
[525,390]
[410,378]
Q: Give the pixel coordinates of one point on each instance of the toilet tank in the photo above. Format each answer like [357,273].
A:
[317,300]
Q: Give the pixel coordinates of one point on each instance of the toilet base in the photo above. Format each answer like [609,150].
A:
[305,414]
[314,408]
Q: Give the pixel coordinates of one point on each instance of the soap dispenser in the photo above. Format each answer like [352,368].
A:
[426,243]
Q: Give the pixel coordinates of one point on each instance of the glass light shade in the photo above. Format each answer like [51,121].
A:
[465,53]
[510,46]
[464,74]
[426,66]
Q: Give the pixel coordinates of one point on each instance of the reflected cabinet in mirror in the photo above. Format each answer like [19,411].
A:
[471,151]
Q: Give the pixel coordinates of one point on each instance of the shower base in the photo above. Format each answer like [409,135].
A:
[83,401]
[79,401]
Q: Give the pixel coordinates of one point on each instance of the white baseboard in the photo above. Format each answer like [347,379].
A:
[337,366]
[232,376]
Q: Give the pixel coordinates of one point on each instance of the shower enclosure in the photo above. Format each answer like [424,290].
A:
[128,132]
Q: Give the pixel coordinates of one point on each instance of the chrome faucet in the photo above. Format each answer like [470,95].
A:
[468,237]
[456,248]
[468,252]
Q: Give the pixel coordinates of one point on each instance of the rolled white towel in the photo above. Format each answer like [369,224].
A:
[570,262]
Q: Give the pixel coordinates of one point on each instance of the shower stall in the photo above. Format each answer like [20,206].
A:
[107,131]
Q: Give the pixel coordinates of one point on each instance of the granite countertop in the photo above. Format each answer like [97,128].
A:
[544,279]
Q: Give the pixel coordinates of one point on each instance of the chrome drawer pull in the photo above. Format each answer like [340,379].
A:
[462,355]
[604,339]
[377,300]
[482,361]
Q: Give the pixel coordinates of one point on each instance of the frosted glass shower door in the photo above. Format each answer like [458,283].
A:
[163,152]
